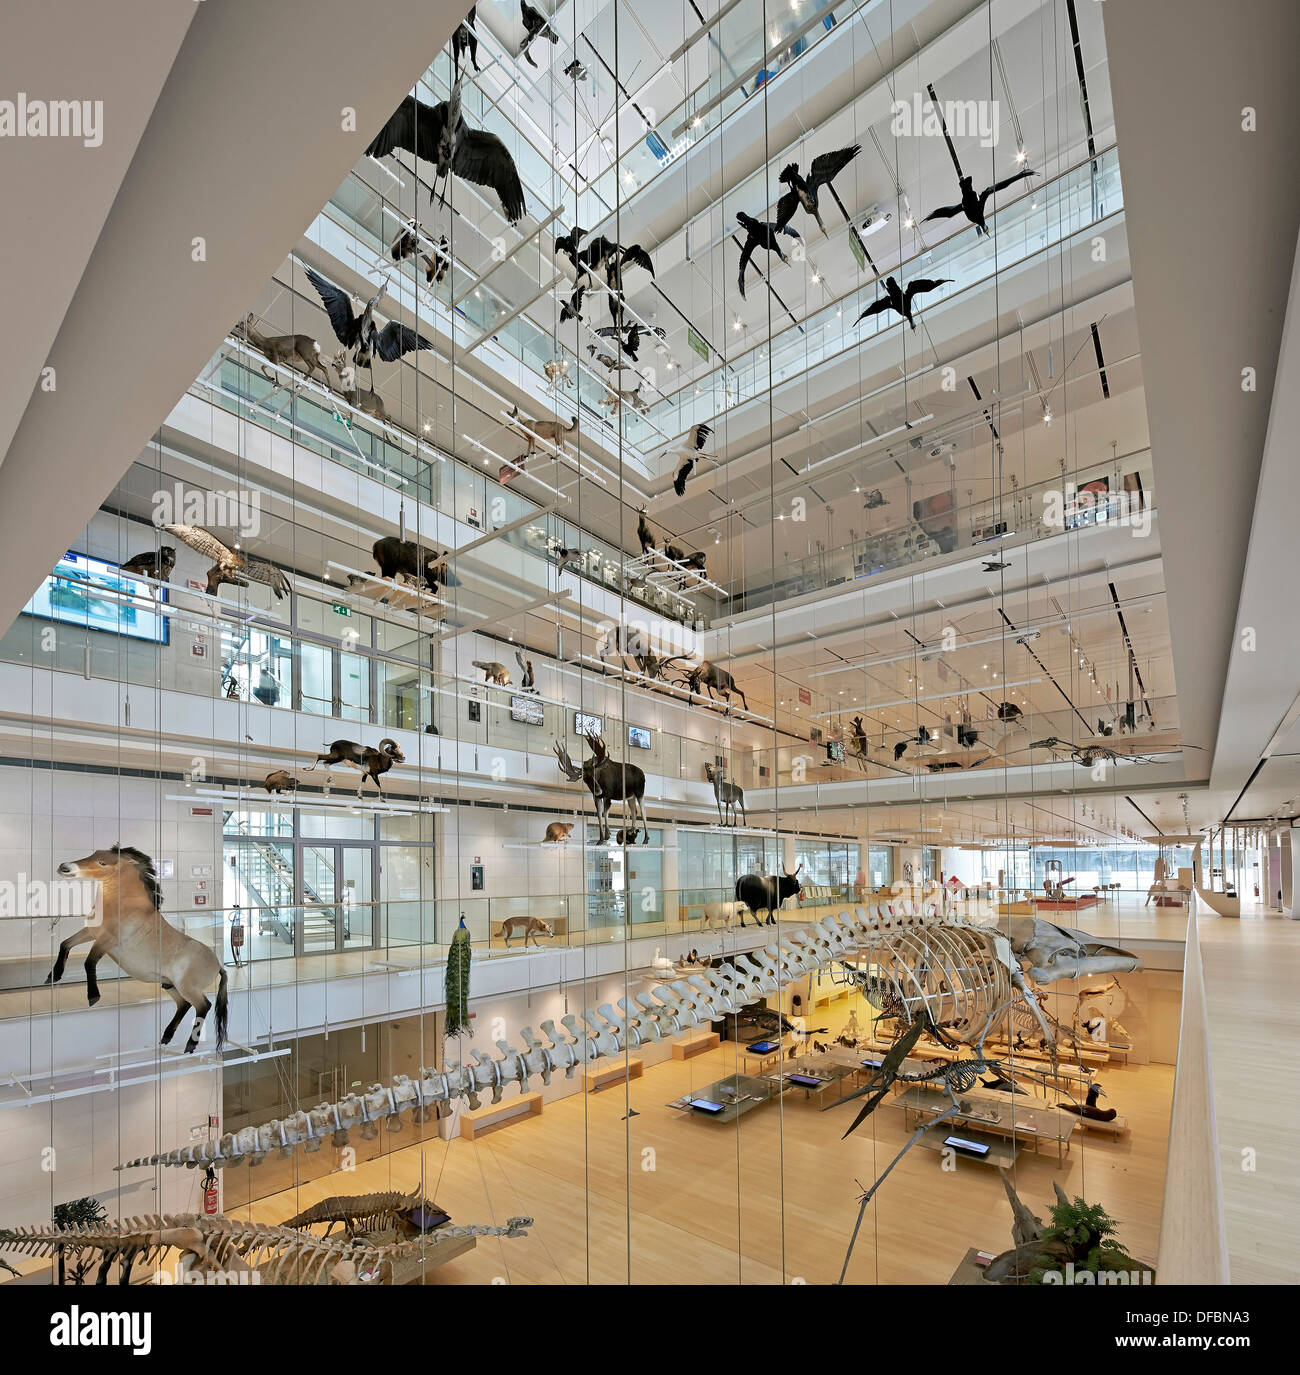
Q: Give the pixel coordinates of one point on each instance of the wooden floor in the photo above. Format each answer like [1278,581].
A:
[667,1197]
[1252,974]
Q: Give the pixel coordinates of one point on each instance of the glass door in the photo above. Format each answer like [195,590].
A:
[336,896]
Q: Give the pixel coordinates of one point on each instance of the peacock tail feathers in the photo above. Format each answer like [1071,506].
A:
[458,962]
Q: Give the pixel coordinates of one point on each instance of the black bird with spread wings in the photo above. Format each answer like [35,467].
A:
[535,26]
[691,452]
[360,332]
[896,299]
[971,205]
[613,258]
[803,190]
[760,235]
[568,245]
[572,308]
[230,565]
[465,39]
[439,134]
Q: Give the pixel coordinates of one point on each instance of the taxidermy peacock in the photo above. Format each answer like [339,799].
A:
[458,960]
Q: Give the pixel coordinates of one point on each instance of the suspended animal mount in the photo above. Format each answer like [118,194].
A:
[572,308]
[230,565]
[299,351]
[132,931]
[535,26]
[616,641]
[280,781]
[900,301]
[690,454]
[530,927]
[493,671]
[760,235]
[407,245]
[373,762]
[439,134]
[803,190]
[729,796]
[972,204]
[714,678]
[406,559]
[465,39]
[361,333]
[613,259]
[154,563]
[534,432]
[644,534]
[528,680]
[557,833]
[608,782]
[971,977]
[368,402]
[761,894]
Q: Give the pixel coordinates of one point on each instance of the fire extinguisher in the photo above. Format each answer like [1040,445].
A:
[236,936]
[211,1195]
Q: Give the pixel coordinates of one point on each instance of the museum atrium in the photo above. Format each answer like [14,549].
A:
[638,637]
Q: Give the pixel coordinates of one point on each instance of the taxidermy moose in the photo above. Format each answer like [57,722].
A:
[729,796]
[372,762]
[132,930]
[761,894]
[608,782]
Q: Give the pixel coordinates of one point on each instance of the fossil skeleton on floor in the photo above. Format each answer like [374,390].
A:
[963,976]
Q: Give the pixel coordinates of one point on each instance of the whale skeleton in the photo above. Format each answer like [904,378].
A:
[964,977]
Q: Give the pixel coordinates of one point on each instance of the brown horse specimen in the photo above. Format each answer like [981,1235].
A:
[134,933]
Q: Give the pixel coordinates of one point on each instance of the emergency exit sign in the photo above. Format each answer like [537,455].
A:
[340,610]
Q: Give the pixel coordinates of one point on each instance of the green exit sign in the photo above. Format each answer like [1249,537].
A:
[341,610]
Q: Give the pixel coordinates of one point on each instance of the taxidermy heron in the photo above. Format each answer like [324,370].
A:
[230,565]
[760,235]
[971,205]
[439,134]
[803,190]
[896,299]
[465,40]
[535,26]
[360,332]
[690,451]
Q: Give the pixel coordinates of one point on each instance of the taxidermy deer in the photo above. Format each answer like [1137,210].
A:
[729,796]
[134,933]
[281,780]
[371,761]
[367,402]
[535,431]
[532,928]
[712,677]
[608,782]
[285,350]
[557,833]
[493,671]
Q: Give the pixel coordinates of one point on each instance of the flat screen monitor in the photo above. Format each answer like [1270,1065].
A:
[873,1064]
[706,1105]
[836,751]
[763,1047]
[586,724]
[526,709]
[638,737]
[99,596]
[806,1081]
[960,1143]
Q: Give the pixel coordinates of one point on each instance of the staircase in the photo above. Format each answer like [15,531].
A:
[268,876]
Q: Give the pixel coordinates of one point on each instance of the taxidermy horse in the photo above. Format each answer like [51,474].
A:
[145,946]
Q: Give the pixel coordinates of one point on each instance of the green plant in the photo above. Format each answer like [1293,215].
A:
[1081,1233]
[80,1212]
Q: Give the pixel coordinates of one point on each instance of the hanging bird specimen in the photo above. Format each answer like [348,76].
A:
[360,332]
[465,39]
[803,191]
[439,134]
[568,245]
[156,563]
[230,565]
[971,205]
[603,253]
[896,299]
[691,452]
[459,956]
[535,26]
[407,245]
[572,308]
[760,235]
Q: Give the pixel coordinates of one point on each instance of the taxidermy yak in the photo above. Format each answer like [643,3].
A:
[133,932]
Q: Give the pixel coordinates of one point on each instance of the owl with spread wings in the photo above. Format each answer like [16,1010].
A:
[230,565]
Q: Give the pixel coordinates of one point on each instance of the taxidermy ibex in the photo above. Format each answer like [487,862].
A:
[372,762]
[608,782]
[285,350]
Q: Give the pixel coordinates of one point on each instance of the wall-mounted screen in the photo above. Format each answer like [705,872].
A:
[835,751]
[528,710]
[99,596]
[586,724]
[638,737]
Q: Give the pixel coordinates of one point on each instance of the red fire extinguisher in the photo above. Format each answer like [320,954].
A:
[211,1195]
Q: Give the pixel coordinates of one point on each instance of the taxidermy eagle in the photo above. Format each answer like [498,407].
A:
[439,134]
[230,565]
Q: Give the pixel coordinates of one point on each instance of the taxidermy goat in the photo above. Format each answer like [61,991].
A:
[371,761]
[133,932]
[729,796]
[493,671]
[230,565]
[645,535]
[156,563]
[285,350]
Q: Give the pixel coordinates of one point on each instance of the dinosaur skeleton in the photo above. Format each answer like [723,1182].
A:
[279,1255]
[378,1212]
[963,977]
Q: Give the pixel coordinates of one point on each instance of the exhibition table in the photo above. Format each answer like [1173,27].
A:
[734,1096]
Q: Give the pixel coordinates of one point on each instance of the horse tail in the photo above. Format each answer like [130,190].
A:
[223,1009]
